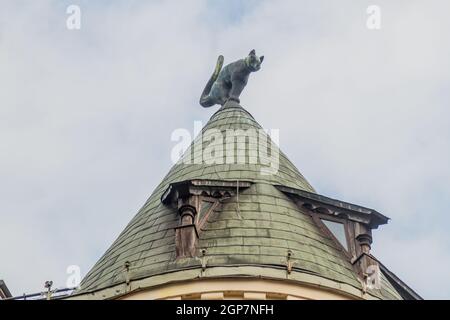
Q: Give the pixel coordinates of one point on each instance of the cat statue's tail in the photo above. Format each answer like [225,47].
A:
[206,100]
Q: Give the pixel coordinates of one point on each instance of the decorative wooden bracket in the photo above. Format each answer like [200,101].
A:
[289,263]
[195,200]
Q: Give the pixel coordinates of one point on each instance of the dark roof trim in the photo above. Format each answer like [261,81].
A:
[373,217]
[5,289]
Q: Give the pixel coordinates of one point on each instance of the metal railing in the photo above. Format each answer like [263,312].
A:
[48,295]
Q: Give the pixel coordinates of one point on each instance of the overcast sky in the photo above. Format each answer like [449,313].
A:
[86,118]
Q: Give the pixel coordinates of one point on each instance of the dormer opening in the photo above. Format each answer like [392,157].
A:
[337,230]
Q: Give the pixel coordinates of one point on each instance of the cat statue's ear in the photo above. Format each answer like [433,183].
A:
[252,52]
[261,59]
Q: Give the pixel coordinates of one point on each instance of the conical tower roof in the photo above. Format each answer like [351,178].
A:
[255,232]
[233,117]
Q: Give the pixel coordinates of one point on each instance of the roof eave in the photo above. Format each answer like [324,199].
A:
[373,218]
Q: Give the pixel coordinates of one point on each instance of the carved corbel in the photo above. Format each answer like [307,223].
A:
[195,200]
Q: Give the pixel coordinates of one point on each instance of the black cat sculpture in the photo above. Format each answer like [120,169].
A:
[227,83]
